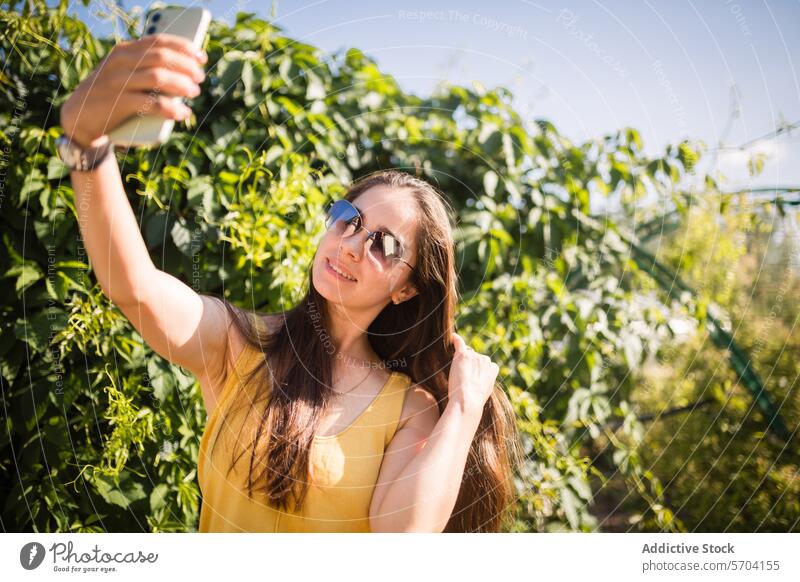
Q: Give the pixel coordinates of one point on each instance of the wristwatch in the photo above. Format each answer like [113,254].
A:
[81,159]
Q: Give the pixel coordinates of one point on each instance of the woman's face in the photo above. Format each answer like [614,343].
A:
[376,284]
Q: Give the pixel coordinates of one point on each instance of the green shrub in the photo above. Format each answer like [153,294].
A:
[102,434]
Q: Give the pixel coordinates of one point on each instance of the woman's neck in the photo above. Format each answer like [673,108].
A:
[348,335]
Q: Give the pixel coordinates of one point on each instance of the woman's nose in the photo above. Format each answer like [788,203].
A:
[353,245]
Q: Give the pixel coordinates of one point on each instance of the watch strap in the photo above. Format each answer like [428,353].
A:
[85,159]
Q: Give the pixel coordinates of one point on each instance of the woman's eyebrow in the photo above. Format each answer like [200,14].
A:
[380,226]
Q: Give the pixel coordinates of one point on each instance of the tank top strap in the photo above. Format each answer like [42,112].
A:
[389,409]
[247,359]
[243,364]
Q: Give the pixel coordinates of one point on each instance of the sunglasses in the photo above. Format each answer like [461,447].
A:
[345,219]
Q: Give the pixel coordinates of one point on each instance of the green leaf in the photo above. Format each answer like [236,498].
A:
[183,238]
[56,169]
[40,328]
[27,274]
[158,497]
[316,89]
[633,350]
[634,139]
[121,494]
[571,504]
[250,98]
[162,380]
[155,230]
[490,183]
[687,156]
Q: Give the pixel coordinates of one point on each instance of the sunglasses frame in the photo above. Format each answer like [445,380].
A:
[370,233]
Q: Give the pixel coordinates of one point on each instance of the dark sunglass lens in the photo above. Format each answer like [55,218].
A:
[385,247]
[376,248]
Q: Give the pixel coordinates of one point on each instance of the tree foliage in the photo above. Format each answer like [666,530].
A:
[102,434]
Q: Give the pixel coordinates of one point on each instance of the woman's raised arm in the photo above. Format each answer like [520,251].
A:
[178,323]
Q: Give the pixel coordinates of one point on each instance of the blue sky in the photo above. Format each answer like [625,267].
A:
[668,69]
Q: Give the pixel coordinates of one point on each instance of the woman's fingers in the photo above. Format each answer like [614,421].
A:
[164,57]
[146,71]
[150,103]
[157,79]
[482,359]
[164,40]
[459,343]
[472,376]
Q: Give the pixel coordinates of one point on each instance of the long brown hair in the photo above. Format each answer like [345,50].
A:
[298,360]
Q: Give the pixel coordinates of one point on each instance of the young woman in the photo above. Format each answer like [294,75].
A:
[359,409]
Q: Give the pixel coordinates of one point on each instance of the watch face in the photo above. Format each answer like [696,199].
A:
[70,153]
[66,152]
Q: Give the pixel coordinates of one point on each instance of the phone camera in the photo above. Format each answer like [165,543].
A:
[156,17]
[151,30]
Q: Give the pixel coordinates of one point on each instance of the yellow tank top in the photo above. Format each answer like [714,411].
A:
[343,473]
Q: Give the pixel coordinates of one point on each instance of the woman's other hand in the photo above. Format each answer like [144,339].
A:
[472,377]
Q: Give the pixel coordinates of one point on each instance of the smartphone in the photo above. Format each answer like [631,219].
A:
[153,129]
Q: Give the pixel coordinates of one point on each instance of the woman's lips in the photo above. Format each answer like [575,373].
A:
[330,270]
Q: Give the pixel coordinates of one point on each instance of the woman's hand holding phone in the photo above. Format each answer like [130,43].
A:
[136,78]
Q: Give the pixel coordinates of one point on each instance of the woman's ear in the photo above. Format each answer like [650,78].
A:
[404,294]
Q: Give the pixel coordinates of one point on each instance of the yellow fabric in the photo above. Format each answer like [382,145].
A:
[344,467]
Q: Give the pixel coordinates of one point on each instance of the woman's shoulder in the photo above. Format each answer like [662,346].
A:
[238,344]
[419,402]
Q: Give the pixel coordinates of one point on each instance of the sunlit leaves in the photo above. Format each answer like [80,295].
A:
[233,203]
